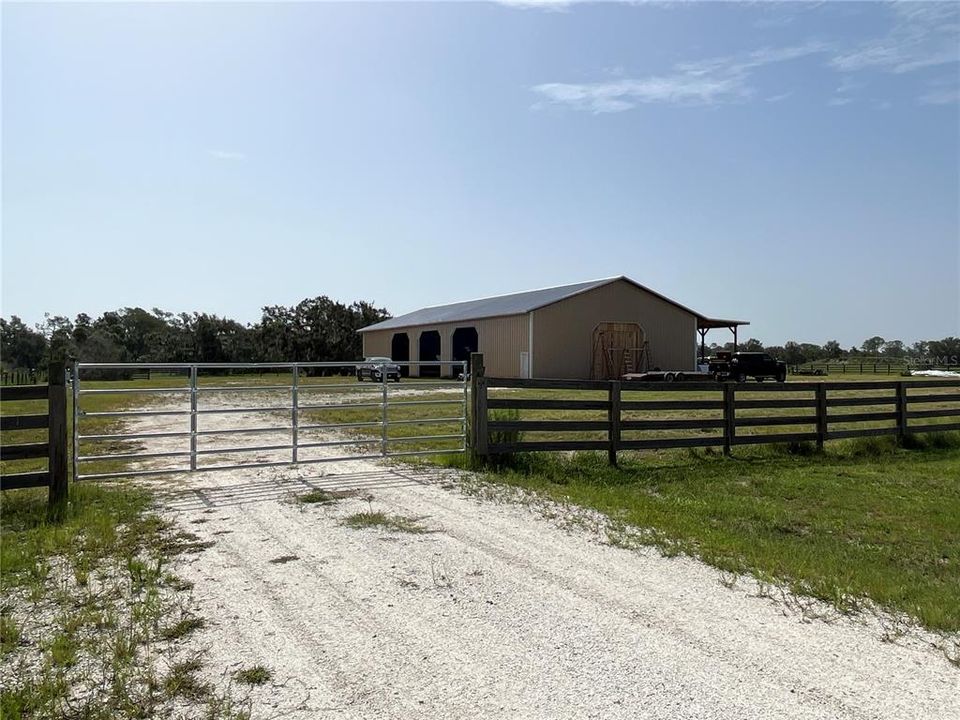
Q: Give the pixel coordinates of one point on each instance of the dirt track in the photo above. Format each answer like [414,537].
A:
[501,612]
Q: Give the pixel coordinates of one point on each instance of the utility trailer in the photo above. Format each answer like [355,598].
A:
[669,376]
[725,366]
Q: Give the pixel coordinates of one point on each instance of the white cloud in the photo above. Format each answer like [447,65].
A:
[848,85]
[549,5]
[923,35]
[705,82]
[773,22]
[778,98]
[782,14]
[618,95]
[768,55]
[226,155]
[945,96]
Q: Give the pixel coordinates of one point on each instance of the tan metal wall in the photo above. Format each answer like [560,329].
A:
[563,332]
[501,340]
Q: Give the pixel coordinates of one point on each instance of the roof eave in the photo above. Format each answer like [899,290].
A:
[370,328]
[711,323]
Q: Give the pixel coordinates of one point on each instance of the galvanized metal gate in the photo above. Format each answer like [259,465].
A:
[180,406]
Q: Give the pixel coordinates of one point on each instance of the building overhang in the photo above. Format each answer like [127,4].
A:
[705,323]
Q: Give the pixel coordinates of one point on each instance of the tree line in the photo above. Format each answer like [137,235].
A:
[931,352]
[317,329]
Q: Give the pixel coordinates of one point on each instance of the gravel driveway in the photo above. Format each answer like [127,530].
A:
[502,611]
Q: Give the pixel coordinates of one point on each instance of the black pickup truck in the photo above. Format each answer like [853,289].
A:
[742,365]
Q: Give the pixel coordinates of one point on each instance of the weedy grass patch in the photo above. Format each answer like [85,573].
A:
[324,497]
[394,523]
[182,680]
[256,675]
[89,610]
[181,628]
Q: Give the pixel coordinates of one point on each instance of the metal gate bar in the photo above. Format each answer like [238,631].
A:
[196,392]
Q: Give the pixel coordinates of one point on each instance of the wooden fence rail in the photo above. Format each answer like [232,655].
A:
[54,449]
[23,376]
[800,412]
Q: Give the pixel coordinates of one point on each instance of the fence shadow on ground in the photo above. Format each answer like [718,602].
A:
[203,492]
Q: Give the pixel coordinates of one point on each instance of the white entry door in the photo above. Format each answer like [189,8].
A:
[524,364]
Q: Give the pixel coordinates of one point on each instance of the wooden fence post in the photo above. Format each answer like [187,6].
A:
[729,416]
[57,439]
[821,415]
[478,407]
[901,411]
[483,436]
[613,415]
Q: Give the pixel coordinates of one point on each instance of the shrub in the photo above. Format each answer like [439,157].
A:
[504,437]
[872,446]
[931,441]
[802,448]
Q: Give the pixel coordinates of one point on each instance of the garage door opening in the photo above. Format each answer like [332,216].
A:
[430,350]
[465,341]
[400,351]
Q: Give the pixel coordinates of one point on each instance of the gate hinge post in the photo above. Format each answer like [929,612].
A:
[295,411]
[466,405]
[193,417]
[76,419]
[383,411]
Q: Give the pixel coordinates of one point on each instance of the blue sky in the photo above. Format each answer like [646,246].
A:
[793,165]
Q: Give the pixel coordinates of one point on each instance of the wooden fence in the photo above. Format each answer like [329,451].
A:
[859,367]
[23,376]
[54,448]
[630,415]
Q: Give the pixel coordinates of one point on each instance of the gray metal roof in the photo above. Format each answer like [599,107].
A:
[514,304]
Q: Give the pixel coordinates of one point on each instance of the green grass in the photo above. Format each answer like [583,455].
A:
[99,523]
[105,533]
[256,675]
[394,523]
[182,682]
[181,628]
[87,603]
[9,634]
[323,497]
[866,520]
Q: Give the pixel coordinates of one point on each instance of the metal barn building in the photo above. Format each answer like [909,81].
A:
[597,329]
